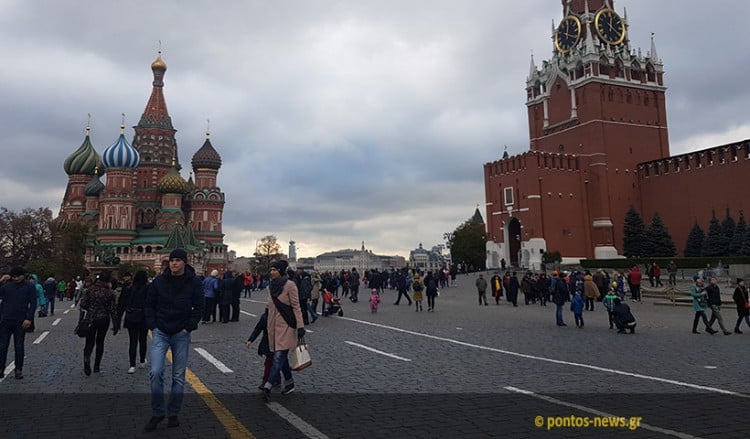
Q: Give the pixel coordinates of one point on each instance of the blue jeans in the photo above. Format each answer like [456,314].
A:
[14,328]
[558,314]
[313,308]
[280,364]
[50,307]
[180,346]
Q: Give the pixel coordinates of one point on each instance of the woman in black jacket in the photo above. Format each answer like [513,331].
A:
[99,301]
[131,303]
[740,299]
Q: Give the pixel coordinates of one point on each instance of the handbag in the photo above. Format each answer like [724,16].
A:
[84,324]
[299,357]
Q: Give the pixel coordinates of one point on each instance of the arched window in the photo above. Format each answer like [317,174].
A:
[148,249]
[650,73]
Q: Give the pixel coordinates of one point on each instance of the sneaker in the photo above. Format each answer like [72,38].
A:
[711,331]
[96,369]
[266,394]
[173,421]
[152,423]
[131,369]
[737,331]
[288,389]
[727,333]
[142,364]
[18,374]
[86,368]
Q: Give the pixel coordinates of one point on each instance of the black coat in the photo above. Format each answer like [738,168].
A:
[133,298]
[174,303]
[18,302]
[740,299]
[261,328]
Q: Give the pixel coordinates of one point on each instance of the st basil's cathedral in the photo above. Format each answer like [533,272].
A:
[145,208]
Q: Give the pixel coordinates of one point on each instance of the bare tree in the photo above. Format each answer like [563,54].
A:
[25,236]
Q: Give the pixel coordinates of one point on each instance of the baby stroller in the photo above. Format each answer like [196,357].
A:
[331,305]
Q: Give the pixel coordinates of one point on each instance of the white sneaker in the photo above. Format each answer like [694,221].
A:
[142,365]
[131,370]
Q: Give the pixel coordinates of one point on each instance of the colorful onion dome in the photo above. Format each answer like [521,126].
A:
[84,160]
[94,187]
[172,182]
[206,157]
[121,154]
[159,63]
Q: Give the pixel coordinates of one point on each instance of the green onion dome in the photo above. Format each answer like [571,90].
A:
[84,160]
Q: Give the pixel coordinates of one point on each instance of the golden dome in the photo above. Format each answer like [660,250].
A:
[159,63]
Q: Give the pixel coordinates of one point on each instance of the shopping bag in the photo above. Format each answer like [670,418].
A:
[299,357]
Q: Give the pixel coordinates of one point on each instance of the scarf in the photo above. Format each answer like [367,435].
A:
[277,286]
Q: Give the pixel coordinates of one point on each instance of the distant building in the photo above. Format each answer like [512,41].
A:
[292,253]
[362,259]
[424,259]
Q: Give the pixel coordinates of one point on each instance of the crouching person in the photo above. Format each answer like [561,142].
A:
[622,317]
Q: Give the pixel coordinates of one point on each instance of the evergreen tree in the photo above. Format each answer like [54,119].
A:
[694,245]
[659,240]
[738,237]
[468,244]
[745,248]
[727,232]
[714,243]
[634,232]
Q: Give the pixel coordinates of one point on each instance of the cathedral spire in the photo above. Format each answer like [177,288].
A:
[532,68]
[156,115]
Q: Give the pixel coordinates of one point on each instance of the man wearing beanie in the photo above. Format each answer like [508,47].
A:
[174,306]
[18,300]
[285,325]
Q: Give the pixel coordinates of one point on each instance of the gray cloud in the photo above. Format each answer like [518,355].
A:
[337,122]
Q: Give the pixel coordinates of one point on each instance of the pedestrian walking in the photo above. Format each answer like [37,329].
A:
[609,303]
[741,300]
[131,304]
[285,325]
[576,305]
[700,303]
[174,306]
[418,287]
[374,300]
[590,291]
[100,303]
[261,329]
[714,302]
[18,299]
[481,284]
[560,295]
[431,291]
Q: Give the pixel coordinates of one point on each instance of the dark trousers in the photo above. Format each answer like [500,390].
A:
[235,309]
[355,293]
[14,328]
[137,336]
[224,313]
[589,304]
[635,292]
[698,316]
[430,302]
[50,305]
[96,336]
[209,313]
[579,319]
[405,294]
[303,304]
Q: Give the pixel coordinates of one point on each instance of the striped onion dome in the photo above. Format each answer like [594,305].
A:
[120,154]
[206,157]
[172,182]
[94,187]
[84,160]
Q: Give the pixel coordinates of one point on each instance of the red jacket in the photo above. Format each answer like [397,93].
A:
[634,277]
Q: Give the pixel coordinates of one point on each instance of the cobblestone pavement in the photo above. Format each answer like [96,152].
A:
[463,371]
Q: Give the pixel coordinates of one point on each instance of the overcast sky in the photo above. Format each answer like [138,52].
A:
[337,121]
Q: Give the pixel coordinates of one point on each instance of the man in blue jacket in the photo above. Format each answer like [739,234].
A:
[17,305]
[174,306]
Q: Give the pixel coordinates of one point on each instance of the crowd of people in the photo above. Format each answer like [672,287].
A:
[176,301]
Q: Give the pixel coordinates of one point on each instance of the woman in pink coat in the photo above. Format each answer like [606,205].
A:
[285,325]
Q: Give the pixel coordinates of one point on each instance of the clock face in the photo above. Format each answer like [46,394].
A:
[568,34]
[610,26]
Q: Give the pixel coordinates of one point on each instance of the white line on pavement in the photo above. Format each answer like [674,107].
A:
[377,351]
[56,322]
[66,311]
[8,370]
[255,301]
[211,359]
[306,429]
[73,306]
[247,313]
[41,337]
[599,413]
[552,360]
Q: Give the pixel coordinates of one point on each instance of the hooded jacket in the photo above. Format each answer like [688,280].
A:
[174,303]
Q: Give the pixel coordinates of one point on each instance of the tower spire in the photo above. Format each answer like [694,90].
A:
[532,67]
[653,55]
